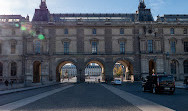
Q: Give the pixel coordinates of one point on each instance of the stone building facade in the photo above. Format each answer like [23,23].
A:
[35,51]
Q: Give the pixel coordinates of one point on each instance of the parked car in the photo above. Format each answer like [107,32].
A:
[116,82]
[159,83]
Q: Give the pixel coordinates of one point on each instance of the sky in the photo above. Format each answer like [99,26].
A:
[158,7]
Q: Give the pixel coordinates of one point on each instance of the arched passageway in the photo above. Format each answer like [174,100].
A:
[94,72]
[66,72]
[123,70]
[152,67]
[36,72]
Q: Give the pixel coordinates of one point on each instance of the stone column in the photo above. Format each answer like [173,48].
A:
[80,70]
[108,67]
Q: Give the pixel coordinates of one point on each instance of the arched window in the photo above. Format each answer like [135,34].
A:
[37,46]
[13,69]
[185,67]
[1,69]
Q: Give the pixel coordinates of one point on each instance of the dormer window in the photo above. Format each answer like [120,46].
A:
[172,31]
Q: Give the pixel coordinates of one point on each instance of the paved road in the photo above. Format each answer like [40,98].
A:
[178,101]
[12,97]
[92,97]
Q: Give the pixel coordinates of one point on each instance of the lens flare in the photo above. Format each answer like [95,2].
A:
[41,37]
[17,25]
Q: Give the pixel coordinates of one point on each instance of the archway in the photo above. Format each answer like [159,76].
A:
[66,72]
[94,72]
[123,70]
[152,67]
[36,71]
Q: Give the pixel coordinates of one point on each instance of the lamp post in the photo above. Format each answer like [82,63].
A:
[41,72]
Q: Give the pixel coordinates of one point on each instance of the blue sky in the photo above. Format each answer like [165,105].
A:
[160,7]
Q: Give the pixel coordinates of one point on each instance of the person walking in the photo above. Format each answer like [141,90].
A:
[11,83]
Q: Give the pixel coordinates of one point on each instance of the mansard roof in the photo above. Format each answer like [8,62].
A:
[173,18]
[7,17]
[94,16]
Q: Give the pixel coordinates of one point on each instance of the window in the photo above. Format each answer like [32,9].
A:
[173,67]
[172,31]
[186,46]
[66,31]
[122,47]
[185,67]
[13,32]
[122,31]
[173,46]
[37,46]
[94,31]
[13,47]
[185,31]
[1,69]
[66,47]
[13,69]
[94,47]
[150,46]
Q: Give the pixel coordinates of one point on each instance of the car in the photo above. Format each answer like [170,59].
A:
[159,83]
[116,82]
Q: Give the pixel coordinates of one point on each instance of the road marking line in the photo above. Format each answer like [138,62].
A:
[23,102]
[143,104]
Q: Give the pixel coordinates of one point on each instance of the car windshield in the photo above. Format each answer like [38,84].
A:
[117,80]
[166,78]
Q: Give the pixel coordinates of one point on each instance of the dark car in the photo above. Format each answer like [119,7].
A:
[159,83]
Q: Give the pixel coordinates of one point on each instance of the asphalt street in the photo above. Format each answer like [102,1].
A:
[92,97]
[12,97]
[178,101]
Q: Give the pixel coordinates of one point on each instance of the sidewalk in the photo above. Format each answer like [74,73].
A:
[20,87]
[179,84]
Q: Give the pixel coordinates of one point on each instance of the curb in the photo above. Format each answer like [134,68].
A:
[25,89]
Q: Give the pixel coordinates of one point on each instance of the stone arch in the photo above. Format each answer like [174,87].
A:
[36,71]
[129,70]
[185,66]
[98,61]
[152,66]
[60,64]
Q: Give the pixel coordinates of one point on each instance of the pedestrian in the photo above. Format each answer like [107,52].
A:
[11,83]
[6,83]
